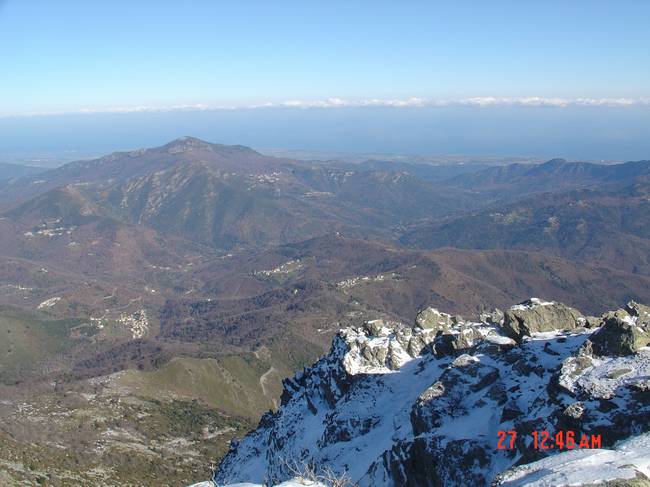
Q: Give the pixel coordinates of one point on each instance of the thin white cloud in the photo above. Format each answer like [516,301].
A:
[140,109]
[413,102]
[553,102]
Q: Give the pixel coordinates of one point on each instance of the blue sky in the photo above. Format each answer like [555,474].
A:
[492,77]
[70,55]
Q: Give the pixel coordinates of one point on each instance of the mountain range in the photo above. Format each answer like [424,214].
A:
[208,272]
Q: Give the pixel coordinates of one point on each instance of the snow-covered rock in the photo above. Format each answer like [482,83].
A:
[630,460]
[624,331]
[433,319]
[536,315]
[422,405]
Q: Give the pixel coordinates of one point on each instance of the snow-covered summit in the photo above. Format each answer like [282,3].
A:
[392,404]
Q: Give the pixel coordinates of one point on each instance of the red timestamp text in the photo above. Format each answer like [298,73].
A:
[543,440]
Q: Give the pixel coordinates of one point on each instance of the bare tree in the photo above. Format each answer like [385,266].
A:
[318,474]
[302,472]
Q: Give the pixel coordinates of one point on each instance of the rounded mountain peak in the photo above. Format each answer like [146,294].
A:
[556,162]
[184,144]
[189,144]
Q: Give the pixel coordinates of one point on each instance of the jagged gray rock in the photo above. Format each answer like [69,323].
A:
[535,315]
[622,333]
[494,317]
[370,355]
[641,311]
[590,322]
[432,319]
[391,404]
[374,327]
[457,340]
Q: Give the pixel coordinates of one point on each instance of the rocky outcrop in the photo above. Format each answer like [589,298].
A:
[494,317]
[640,311]
[391,404]
[432,319]
[535,315]
[380,346]
[624,332]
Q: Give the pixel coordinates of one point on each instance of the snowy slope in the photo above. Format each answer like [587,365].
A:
[629,460]
[297,482]
[421,405]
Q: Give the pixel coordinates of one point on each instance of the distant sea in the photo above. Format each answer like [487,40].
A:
[575,132]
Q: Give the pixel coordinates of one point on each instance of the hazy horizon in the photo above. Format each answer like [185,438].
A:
[574,132]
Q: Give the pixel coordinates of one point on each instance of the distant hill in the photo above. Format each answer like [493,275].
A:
[10,171]
[121,166]
[610,228]
[424,171]
[232,196]
[515,180]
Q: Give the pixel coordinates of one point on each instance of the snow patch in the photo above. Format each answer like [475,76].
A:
[629,459]
[531,304]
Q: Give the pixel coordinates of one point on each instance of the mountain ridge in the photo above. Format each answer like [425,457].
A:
[391,404]
[553,175]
